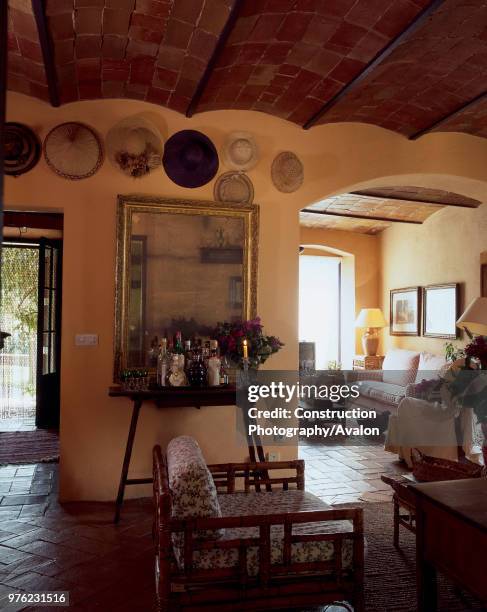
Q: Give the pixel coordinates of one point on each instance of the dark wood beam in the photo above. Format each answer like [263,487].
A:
[47,52]
[33,220]
[458,111]
[417,22]
[354,216]
[3,97]
[377,196]
[220,45]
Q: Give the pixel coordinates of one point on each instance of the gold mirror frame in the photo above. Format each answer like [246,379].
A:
[137,204]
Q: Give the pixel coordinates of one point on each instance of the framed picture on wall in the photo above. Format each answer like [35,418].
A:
[440,310]
[405,305]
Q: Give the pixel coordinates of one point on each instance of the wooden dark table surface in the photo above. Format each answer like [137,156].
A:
[451,537]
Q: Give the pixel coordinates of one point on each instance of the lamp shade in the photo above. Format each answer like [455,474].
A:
[474,319]
[370,317]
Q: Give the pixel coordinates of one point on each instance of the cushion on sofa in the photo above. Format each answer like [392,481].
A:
[400,367]
[193,491]
[429,366]
[245,504]
[386,393]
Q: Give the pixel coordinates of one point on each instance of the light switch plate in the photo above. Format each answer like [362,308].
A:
[86,339]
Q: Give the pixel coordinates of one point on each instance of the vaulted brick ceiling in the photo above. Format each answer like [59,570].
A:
[406,65]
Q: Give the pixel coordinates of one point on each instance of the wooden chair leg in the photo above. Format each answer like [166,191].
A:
[396,522]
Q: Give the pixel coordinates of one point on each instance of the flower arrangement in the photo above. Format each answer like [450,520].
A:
[231,338]
[477,349]
[139,165]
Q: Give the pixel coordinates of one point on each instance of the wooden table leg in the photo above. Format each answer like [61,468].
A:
[426,583]
[126,459]
[396,521]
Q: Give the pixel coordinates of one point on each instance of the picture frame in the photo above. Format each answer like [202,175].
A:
[405,311]
[441,310]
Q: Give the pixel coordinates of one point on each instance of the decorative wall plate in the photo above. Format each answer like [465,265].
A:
[190,159]
[73,151]
[287,172]
[22,149]
[240,151]
[234,187]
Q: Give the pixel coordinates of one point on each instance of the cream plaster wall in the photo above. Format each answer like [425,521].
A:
[336,158]
[445,249]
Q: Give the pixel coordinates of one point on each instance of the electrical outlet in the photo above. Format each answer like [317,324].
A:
[86,340]
[273,456]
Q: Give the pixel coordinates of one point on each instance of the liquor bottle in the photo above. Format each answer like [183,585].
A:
[197,374]
[224,371]
[188,354]
[153,353]
[179,349]
[162,364]
[214,365]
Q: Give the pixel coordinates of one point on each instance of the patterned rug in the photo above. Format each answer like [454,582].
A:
[39,446]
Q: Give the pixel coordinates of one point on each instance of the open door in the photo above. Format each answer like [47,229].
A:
[49,334]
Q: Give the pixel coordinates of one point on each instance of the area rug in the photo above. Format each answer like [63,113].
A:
[390,574]
[19,447]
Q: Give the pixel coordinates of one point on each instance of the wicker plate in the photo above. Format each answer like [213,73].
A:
[234,187]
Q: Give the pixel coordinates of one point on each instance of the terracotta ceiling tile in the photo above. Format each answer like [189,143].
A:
[54,7]
[276,53]
[138,91]
[348,35]
[144,35]
[16,64]
[88,46]
[266,27]
[229,56]
[68,92]
[301,54]
[142,70]
[367,12]
[88,21]
[158,96]
[178,34]
[202,44]
[66,73]
[304,83]
[115,21]
[61,26]
[24,25]
[294,27]
[21,5]
[154,8]
[165,79]
[213,17]
[18,83]
[288,69]
[137,48]
[113,89]
[89,90]
[252,52]
[346,70]
[30,50]
[250,93]
[368,47]
[324,62]
[12,43]
[399,15]
[63,51]
[320,29]
[89,3]
[262,75]
[148,21]
[88,69]
[113,47]
[242,29]
[178,103]
[252,7]
[170,57]
[187,10]
[305,110]
[338,8]
[122,5]
[281,6]
[186,87]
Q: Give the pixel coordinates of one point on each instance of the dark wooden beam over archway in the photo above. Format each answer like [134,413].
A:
[39,11]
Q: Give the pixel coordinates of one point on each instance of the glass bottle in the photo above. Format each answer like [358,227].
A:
[162,364]
[197,373]
[179,349]
[188,354]
[224,371]
[214,364]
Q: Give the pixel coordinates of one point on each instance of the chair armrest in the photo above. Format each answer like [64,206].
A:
[258,474]
[364,375]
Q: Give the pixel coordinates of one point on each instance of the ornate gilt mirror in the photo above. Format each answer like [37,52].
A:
[182,265]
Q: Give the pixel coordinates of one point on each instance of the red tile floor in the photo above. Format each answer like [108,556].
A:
[46,546]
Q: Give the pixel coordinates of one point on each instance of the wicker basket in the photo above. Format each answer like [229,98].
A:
[430,469]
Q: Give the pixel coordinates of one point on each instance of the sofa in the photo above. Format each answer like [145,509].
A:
[383,390]
[246,536]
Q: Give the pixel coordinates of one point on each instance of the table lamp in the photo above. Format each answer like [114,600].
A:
[372,319]
[474,319]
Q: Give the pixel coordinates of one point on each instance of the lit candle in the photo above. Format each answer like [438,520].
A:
[245,349]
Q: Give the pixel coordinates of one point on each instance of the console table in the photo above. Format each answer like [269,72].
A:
[170,397]
[451,536]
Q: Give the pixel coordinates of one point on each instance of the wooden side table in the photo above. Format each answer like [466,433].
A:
[368,362]
[403,500]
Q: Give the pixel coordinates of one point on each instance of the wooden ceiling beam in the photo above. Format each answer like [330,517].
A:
[220,45]
[417,22]
[364,194]
[458,111]
[355,216]
[46,49]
